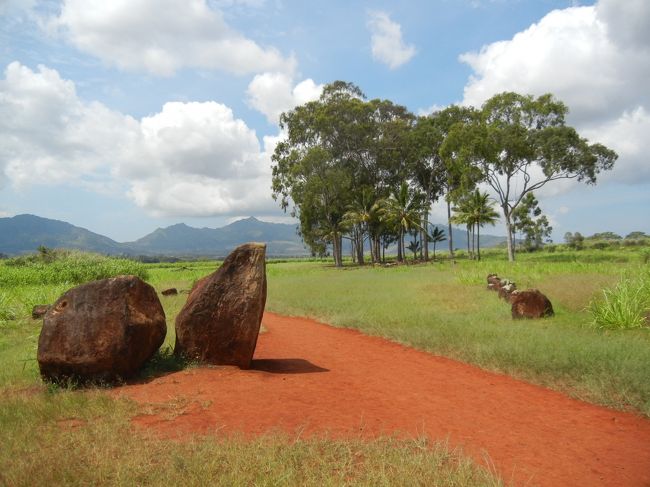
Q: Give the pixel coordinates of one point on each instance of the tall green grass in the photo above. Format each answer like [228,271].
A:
[624,306]
[69,267]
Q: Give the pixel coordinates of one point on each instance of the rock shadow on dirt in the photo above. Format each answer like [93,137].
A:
[286,366]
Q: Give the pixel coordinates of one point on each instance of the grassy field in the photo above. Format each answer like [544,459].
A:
[83,436]
[445,308]
[53,435]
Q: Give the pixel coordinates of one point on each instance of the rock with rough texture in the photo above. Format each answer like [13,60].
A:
[494,283]
[39,311]
[172,291]
[530,304]
[221,320]
[101,331]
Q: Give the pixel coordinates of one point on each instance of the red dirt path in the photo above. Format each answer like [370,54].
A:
[315,379]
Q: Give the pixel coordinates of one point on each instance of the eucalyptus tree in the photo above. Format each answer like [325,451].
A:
[439,172]
[529,220]
[316,166]
[520,143]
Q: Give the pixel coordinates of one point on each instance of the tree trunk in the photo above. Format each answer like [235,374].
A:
[511,249]
[360,240]
[478,241]
[473,247]
[399,246]
[337,251]
[469,253]
[451,239]
[425,235]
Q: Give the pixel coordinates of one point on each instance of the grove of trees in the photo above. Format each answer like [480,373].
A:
[368,171]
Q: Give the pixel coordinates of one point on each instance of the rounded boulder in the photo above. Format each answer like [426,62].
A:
[101,331]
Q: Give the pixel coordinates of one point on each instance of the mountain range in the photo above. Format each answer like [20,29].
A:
[25,233]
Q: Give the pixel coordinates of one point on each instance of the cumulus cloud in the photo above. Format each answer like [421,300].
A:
[162,36]
[190,159]
[46,131]
[274,93]
[596,59]
[387,44]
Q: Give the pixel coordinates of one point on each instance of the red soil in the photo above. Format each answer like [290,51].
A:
[312,379]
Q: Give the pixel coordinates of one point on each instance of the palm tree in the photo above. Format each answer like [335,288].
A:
[414,246]
[463,216]
[360,214]
[437,235]
[482,212]
[404,208]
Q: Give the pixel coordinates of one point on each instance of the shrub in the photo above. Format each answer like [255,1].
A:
[624,306]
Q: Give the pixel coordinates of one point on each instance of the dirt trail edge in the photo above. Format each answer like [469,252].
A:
[314,379]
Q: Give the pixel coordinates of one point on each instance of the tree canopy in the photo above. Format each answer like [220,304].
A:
[369,170]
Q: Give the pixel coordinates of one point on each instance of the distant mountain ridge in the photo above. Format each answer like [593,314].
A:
[25,233]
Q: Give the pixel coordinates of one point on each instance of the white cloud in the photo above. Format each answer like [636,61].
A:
[47,134]
[190,159]
[162,36]
[274,93]
[628,135]
[429,110]
[597,60]
[387,44]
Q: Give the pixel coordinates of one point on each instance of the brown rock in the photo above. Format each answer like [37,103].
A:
[530,304]
[101,331]
[506,290]
[494,283]
[220,322]
[172,291]
[39,311]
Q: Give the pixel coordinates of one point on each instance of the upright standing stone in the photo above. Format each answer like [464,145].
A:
[221,320]
[101,330]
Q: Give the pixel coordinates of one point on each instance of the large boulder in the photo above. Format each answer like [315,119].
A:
[221,320]
[101,331]
[530,304]
[494,282]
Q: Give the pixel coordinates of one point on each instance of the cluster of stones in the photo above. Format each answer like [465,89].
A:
[107,330]
[529,303]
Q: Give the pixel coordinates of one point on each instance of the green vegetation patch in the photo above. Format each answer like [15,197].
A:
[625,305]
[65,267]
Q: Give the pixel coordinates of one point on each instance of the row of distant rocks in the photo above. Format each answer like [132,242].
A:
[529,303]
[108,329]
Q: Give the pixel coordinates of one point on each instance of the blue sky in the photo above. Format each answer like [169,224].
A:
[125,116]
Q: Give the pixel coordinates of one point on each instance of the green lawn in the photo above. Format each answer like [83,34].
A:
[53,435]
[445,308]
